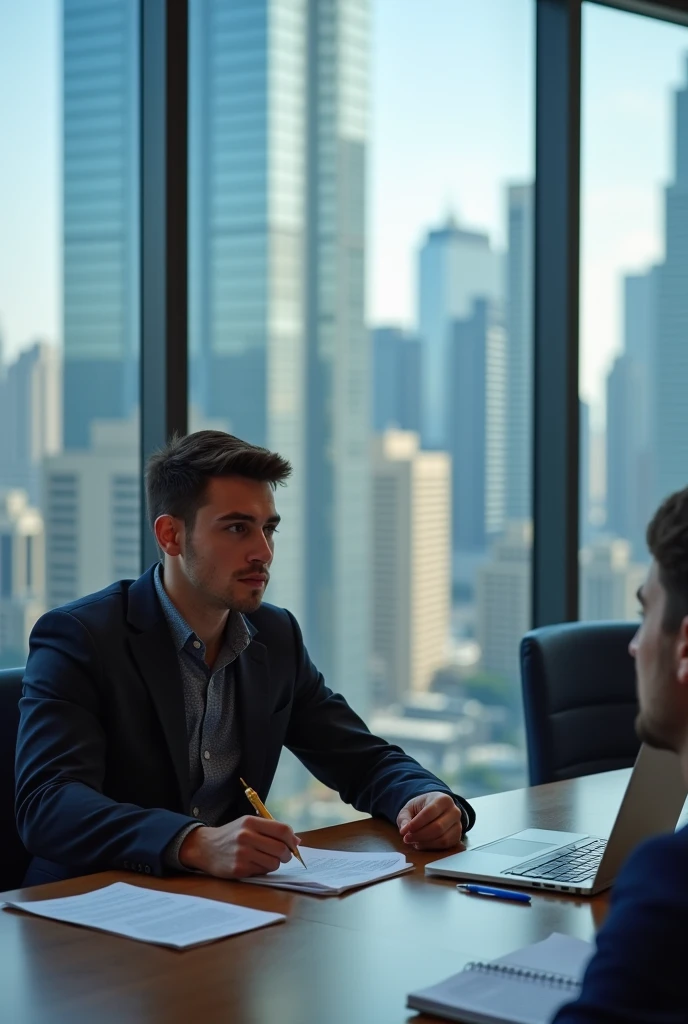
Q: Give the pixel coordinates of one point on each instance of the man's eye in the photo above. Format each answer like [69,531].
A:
[271,529]
[235,528]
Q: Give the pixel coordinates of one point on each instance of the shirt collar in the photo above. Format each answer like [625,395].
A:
[239,632]
[179,627]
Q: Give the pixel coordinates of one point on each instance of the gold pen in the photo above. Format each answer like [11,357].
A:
[261,809]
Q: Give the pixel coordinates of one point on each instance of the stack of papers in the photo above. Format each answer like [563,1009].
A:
[330,872]
[151,916]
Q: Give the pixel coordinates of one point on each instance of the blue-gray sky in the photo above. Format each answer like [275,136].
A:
[29,170]
[451,125]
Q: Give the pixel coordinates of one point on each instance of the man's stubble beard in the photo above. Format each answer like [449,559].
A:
[649,734]
[228,601]
[649,729]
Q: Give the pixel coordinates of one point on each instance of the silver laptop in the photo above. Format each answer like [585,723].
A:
[568,861]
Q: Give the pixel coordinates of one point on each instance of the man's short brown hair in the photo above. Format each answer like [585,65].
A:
[667,539]
[177,476]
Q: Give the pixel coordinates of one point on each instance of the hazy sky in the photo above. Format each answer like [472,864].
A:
[631,68]
[29,170]
[451,125]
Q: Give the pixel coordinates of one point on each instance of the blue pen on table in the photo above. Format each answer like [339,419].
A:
[501,894]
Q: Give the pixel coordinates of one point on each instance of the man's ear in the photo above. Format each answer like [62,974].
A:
[169,533]
[682,653]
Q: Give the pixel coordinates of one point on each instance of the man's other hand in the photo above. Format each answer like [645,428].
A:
[430,822]
[248,846]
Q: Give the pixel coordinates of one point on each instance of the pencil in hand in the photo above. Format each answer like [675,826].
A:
[262,810]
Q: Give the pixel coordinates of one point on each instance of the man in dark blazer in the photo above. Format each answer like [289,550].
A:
[639,971]
[145,703]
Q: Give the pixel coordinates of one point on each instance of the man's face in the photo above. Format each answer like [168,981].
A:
[227,556]
[661,660]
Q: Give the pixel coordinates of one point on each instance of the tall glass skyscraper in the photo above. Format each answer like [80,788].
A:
[519,324]
[339,361]
[476,384]
[279,351]
[455,267]
[670,371]
[248,240]
[100,213]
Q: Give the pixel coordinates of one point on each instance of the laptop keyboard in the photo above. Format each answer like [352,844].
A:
[572,863]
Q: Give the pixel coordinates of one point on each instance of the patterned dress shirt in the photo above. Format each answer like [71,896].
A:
[209,699]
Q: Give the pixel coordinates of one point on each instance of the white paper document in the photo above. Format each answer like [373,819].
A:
[557,954]
[148,915]
[330,872]
[525,987]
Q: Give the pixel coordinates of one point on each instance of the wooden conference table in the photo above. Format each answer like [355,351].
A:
[348,959]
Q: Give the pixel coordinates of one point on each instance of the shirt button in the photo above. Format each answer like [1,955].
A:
[206,755]
[197,644]
[196,812]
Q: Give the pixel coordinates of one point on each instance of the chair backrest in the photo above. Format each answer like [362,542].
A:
[579,699]
[14,859]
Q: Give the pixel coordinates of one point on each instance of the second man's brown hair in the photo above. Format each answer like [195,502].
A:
[667,539]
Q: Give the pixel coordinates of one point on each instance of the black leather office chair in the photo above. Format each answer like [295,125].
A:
[14,859]
[579,699]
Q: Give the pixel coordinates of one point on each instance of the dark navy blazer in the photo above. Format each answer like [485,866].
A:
[103,755]
[640,971]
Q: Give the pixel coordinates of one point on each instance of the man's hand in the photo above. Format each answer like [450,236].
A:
[430,822]
[248,846]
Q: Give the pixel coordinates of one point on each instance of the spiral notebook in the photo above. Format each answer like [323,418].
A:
[525,987]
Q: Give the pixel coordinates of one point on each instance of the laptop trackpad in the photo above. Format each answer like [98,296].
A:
[520,848]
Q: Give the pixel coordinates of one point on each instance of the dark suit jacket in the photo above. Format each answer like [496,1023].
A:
[103,756]
[639,973]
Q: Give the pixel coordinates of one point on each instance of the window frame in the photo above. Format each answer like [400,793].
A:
[164,265]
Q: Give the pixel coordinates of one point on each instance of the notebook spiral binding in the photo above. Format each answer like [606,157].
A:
[557,981]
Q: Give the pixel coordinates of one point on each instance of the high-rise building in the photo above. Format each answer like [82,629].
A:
[621,393]
[597,444]
[503,600]
[640,341]
[670,363]
[22,574]
[640,315]
[609,580]
[30,417]
[519,351]
[584,499]
[456,266]
[100,143]
[92,509]
[625,385]
[411,566]
[476,405]
[248,241]
[630,457]
[396,380]
[279,348]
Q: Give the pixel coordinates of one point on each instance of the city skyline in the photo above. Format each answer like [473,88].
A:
[621,233]
[398,552]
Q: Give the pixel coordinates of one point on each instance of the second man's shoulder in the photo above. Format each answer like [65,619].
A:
[656,866]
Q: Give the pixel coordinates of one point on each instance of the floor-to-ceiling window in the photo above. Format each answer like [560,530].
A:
[69,187]
[360,299]
[634,295]
[360,295]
